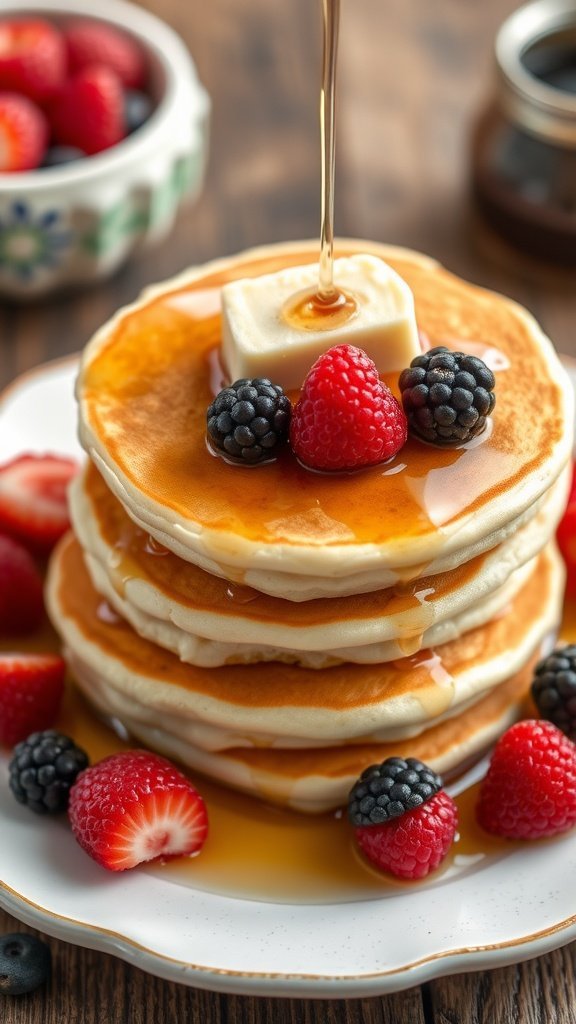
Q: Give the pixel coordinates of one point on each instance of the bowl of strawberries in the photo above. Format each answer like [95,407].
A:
[103,133]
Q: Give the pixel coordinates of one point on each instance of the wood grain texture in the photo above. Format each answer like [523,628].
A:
[412,76]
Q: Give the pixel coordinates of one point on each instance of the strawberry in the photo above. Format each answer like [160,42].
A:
[33,501]
[414,844]
[530,788]
[23,133]
[21,603]
[32,57]
[31,688]
[566,537]
[136,806]
[346,417]
[89,110]
[94,42]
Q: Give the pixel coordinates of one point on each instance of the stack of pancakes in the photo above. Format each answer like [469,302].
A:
[280,629]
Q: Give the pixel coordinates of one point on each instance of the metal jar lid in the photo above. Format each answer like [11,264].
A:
[543,110]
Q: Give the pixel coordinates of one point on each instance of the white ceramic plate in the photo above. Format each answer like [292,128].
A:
[493,913]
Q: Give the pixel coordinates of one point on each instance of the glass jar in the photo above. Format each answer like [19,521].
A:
[524,144]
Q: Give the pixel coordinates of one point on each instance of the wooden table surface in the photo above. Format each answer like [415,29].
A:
[412,76]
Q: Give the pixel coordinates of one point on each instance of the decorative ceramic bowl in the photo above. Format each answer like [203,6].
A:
[76,223]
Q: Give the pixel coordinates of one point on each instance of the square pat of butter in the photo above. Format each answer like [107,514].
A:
[257,341]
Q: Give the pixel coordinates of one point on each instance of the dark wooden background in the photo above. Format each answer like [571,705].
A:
[413,74]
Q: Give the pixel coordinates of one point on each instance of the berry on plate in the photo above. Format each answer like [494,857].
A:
[23,133]
[447,395]
[249,420]
[530,788]
[31,689]
[25,963]
[21,600]
[43,769]
[33,499]
[404,822]
[346,417]
[566,537]
[136,806]
[88,112]
[94,42]
[32,57]
[554,689]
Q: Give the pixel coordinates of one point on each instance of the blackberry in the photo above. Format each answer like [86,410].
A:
[249,420]
[385,791]
[447,395]
[25,963]
[554,689]
[43,769]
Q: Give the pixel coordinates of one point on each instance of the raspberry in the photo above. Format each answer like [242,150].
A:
[43,769]
[414,844]
[554,689]
[249,420]
[530,788]
[385,791]
[346,417]
[88,112]
[134,807]
[447,396]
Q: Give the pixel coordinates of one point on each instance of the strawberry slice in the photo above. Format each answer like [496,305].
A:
[33,499]
[21,602]
[32,57]
[89,110]
[134,807]
[31,688]
[94,42]
[23,133]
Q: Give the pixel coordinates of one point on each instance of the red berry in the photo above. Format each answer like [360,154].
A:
[31,688]
[21,602]
[89,110]
[530,788]
[93,42]
[566,537]
[23,133]
[136,806]
[32,57]
[346,417]
[414,844]
[33,499]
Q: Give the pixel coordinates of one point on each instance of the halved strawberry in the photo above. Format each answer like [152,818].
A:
[21,601]
[136,806]
[32,57]
[31,688]
[23,133]
[33,499]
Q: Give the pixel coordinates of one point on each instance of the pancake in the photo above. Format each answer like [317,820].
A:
[110,662]
[148,376]
[208,622]
[286,705]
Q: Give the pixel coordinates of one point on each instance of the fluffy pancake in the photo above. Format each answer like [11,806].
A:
[148,376]
[206,621]
[286,705]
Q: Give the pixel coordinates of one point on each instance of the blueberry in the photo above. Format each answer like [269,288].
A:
[24,963]
[55,156]
[137,109]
